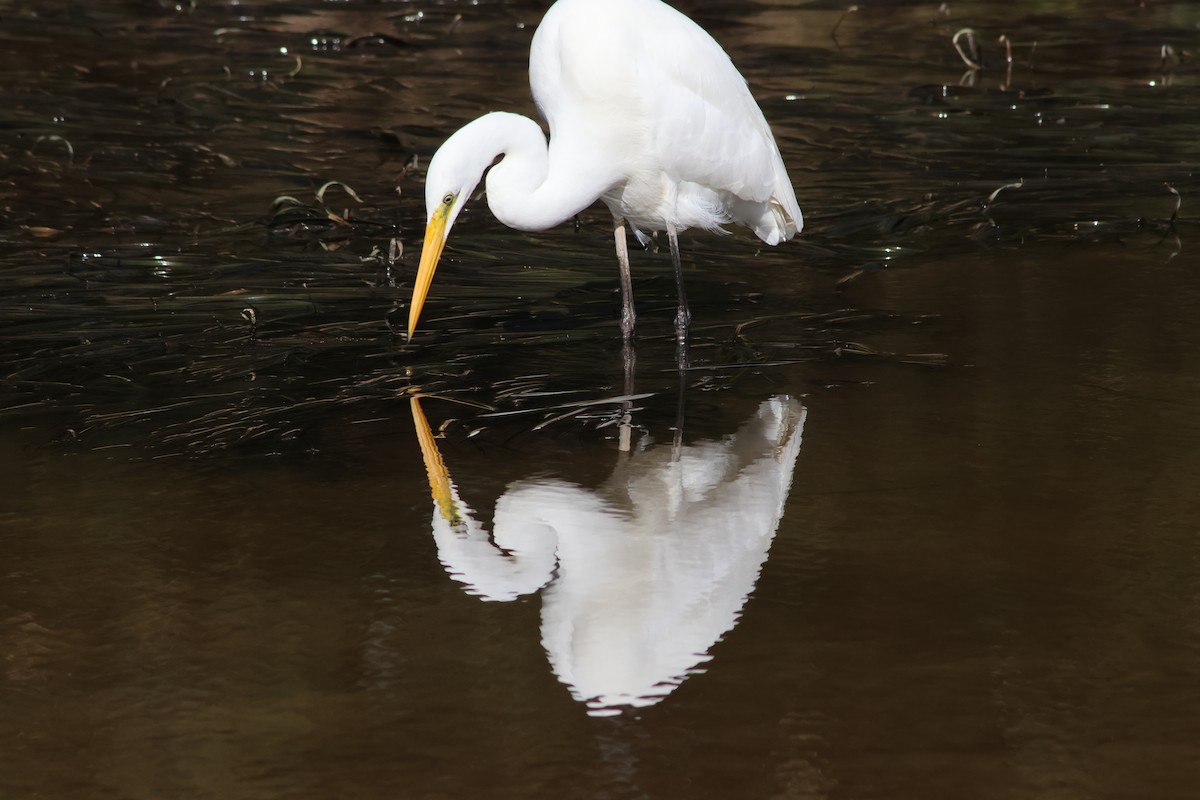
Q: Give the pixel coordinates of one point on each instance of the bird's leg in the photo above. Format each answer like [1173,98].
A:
[683,317]
[627,314]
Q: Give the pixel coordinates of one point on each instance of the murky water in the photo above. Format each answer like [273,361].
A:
[920,521]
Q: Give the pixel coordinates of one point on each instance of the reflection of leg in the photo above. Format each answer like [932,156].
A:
[681,354]
[629,357]
[683,317]
[627,314]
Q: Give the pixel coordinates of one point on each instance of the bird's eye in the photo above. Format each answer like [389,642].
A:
[448,199]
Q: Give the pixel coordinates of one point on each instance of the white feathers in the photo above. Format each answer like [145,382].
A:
[646,112]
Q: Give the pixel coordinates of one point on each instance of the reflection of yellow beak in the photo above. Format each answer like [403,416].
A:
[435,240]
[439,477]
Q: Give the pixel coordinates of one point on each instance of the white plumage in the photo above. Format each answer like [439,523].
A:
[641,576]
[646,113]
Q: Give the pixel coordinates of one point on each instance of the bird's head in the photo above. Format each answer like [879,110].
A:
[454,172]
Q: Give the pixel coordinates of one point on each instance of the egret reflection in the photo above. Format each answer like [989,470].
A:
[641,576]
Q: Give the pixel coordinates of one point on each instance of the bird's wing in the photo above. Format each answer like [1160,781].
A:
[708,128]
[644,83]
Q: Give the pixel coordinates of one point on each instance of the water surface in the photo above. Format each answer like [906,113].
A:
[918,522]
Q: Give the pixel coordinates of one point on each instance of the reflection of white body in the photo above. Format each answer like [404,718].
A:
[646,573]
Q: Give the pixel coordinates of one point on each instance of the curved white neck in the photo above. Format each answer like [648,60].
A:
[532,188]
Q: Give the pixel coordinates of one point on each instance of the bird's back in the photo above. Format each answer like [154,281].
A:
[652,103]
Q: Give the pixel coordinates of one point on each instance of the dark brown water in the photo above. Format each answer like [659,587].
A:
[921,520]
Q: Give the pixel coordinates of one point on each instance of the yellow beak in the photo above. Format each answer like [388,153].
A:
[431,251]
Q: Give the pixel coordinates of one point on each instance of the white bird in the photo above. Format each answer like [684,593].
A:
[646,113]
[641,576]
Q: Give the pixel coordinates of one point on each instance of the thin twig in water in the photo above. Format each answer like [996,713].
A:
[414,391]
[250,314]
[1007,60]
[1168,57]
[333,216]
[992,196]
[973,61]
[345,188]
[578,405]
[833,33]
[285,199]
[1178,205]
[57,138]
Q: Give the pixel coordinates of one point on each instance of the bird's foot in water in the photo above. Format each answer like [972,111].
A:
[682,355]
[683,321]
[627,324]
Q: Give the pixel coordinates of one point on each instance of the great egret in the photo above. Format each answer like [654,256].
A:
[646,113]
[641,575]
